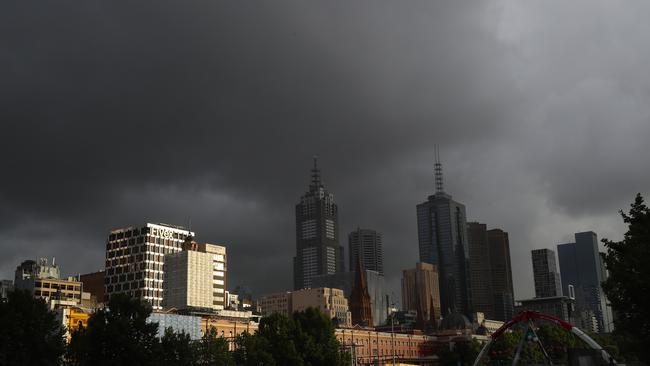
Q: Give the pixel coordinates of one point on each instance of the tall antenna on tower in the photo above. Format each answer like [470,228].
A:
[438,169]
[315,174]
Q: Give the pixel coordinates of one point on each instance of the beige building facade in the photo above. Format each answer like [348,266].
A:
[420,288]
[330,301]
[196,279]
[279,302]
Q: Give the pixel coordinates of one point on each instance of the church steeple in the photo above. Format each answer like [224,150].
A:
[360,299]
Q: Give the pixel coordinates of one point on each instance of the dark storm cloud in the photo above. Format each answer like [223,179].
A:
[115,113]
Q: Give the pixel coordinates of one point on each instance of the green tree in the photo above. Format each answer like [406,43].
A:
[317,341]
[118,335]
[279,332]
[461,353]
[557,341]
[253,350]
[176,349]
[628,285]
[29,332]
[213,350]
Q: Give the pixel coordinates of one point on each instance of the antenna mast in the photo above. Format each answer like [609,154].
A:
[438,169]
[315,174]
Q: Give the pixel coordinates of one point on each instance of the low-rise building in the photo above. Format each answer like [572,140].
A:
[279,302]
[44,281]
[368,346]
[189,324]
[330,301]
[93,283]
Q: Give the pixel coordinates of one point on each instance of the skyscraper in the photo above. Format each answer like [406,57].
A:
[501,274]
[581,266]
[442,231]
[365,245]
[420,291]
[480,269]
[135,257]
[547,279]
[317,234]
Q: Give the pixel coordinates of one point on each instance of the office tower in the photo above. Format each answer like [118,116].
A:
[366,245]
[501,274]
[547,279]
[581,266]
[317,234]
[195,278]
[480,269]
[420,291]
[135,257]
[375,284]
[442,229]
[44,281]
[360,307]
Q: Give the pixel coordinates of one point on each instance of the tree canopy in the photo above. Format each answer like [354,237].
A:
[29,333]
[628,285]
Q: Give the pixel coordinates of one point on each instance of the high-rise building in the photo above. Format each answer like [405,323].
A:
[547,279]
[360,307]
[365,245]
[581,266]
[480,269]
[195,278]
[135,257]
[501,274]
[420,291]
[6,286]
[442,240]
[317,234]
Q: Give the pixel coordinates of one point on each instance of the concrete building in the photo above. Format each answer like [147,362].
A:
[196,277]
[134,260]
[275,303]
[485,326]
[480,269]
[420,291]
[545,274]
[501,275]
[375,283]
[559,306]
[330,301]
[188,324]
[442,240]
[369,347]
[93,283]
[365,245]
[581,266]
[6,286]
[317,234]
[43,281]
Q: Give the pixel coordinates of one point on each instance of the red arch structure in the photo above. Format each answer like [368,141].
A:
[529,316]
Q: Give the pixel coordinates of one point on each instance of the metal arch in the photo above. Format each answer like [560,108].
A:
[531,315]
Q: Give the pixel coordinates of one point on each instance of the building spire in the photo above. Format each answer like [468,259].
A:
[438,169]
[315,175]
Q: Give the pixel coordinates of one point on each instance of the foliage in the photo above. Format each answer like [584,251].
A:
[213,350]
[119,335]
[628,285]
[29,332]
[461,353]
[306,338]
[176,349]
[253,350]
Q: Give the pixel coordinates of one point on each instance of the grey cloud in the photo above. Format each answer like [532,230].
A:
[117,113]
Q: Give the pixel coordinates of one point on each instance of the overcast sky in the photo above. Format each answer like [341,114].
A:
[118,113]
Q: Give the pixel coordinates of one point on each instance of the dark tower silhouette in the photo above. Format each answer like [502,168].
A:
[360,299]
[317,234]
[442,240]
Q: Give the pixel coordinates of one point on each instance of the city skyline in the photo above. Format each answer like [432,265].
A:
[191,112]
